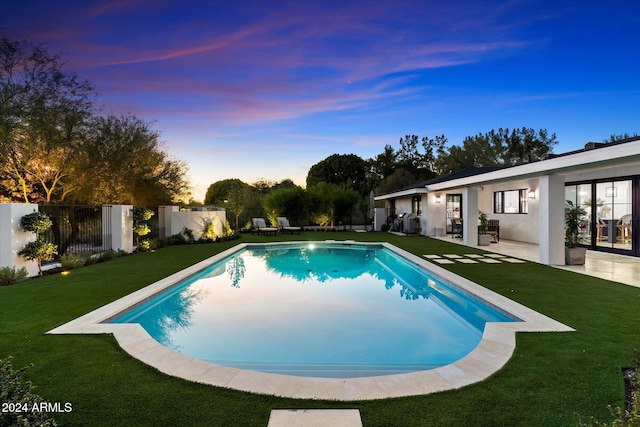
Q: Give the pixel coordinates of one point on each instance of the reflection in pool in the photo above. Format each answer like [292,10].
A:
[325,310]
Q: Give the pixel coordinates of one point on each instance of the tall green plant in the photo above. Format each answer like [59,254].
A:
[140,227]
[572,217]
[484,222]
[38,250]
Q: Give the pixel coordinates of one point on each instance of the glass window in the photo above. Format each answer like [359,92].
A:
[511,202]
[613,213]
[416,204]
[497,202]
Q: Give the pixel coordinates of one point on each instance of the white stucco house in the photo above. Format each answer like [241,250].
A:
[529,200]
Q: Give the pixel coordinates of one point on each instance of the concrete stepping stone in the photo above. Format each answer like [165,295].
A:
[315,418]
[443,261]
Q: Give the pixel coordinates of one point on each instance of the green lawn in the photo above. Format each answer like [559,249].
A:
[550,378]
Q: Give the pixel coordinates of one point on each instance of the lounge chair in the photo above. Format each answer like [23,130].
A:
[260,226]
[285,227]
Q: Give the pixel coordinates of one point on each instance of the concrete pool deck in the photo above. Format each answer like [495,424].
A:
[496,348]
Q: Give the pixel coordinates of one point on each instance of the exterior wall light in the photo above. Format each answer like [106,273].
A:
[532,194]
[438,198]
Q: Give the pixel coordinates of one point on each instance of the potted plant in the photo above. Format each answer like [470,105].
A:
[484,239]
[573,253]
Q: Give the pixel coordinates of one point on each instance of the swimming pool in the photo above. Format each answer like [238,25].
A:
[317,310]
[493,351]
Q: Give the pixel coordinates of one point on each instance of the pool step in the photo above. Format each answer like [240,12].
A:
[315,418]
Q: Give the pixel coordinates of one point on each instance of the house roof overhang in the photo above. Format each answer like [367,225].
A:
[605,157]
[402,193]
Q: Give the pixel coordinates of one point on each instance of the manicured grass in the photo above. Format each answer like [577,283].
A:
[550,378]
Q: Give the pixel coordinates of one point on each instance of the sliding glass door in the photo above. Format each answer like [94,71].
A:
[454,211]
[612,214]
[614,203]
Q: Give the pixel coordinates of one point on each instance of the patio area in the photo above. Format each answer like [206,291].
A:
[608,266]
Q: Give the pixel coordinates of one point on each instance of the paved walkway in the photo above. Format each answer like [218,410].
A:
[614,267]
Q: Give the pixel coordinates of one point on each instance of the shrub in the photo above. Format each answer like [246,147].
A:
[71,261]
[107,255]
[227,229]
[189,235]
[11,276]
[91,259]
[178,239]
[35,222]
[15,390]
[144,245]
[208,231]
[39,251]
[161,242]
[140,217]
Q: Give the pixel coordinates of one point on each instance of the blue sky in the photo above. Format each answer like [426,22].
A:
[265,89]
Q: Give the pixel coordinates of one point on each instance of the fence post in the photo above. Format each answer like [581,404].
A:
[13,239]
[121,226]
[164,220]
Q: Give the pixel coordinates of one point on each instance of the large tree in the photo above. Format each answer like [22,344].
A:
[43,116]
[54,148]
[125,163]
[346,170]
[497,148]
[229,193]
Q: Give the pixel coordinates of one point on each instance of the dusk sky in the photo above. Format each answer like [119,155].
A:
[265,89]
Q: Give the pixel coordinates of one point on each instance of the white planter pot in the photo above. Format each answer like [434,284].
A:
[484,239]
[574,256]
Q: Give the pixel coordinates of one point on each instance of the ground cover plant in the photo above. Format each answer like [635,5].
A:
[551,379]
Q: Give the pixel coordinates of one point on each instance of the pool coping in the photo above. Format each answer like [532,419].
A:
[492,353]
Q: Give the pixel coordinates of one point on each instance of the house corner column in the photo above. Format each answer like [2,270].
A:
[122,228]
[470,216]
[551,219]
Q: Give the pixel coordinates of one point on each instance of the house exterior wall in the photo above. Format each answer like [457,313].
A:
[433,214]
[13,238]
[195,221]
[519,227]
[403,205]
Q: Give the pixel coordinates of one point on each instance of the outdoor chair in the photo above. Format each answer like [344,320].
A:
[260,227]
[285,227]
[600,225]
[456,228]
[624,228]
[493,228]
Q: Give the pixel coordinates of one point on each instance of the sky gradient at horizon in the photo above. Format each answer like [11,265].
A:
[266,89]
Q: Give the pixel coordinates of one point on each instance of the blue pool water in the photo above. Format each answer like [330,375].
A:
[323,310]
